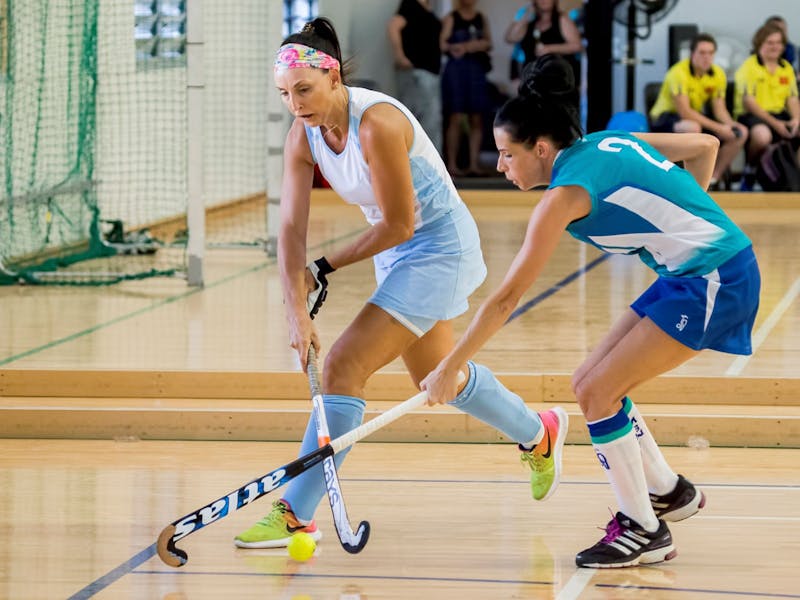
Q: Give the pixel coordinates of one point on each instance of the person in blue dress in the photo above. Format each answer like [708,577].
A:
[622,193]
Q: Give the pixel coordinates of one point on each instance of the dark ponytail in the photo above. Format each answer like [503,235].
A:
[547,104]
[321,35]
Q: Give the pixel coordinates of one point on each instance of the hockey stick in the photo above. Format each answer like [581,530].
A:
[352,542]
[249,492]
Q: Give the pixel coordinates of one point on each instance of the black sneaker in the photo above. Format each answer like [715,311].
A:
[626,544]
[681,503]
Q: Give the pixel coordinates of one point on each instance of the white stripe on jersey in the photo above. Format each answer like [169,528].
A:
[682,233]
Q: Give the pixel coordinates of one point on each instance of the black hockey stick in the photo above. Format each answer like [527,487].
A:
[352,542]
[249,492]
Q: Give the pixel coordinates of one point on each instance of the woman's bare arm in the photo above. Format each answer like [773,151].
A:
[698,151]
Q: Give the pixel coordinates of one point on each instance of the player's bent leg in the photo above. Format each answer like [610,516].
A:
[373,340]
[618,330]
[672,496]
[661,479]
[294,512]
[540,436]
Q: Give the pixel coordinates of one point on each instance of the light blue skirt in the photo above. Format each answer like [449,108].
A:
[430,277]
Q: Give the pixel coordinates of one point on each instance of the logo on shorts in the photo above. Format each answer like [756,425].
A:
[682,323]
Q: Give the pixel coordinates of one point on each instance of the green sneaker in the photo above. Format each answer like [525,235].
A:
[276,529]
[545,459]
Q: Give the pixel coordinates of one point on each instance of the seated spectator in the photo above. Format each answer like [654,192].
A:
[540,28]
[766,97]
[790,51]
[466,39]
[414,35]
[692,99]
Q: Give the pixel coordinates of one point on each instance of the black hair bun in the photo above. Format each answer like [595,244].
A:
[549,76]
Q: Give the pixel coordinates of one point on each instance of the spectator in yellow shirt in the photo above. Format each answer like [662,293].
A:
[692,99]
[766,94]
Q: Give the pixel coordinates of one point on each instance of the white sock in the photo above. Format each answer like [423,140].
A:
[618,452]
[661,479]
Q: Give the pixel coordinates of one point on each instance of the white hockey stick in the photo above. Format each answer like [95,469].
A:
[351,541]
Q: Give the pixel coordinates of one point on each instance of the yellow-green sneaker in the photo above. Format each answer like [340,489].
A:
[276,529]
[545,458]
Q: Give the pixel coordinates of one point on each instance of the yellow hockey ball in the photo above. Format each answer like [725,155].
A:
[301,546]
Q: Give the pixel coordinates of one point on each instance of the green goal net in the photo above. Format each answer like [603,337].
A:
[95,135]
[63,205]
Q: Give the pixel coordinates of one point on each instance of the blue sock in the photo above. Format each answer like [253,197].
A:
[485,398]
[344,413]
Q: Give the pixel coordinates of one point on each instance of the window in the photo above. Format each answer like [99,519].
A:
[297,13]
[160,31]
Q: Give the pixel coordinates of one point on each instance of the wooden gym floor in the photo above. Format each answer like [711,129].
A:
[123,408]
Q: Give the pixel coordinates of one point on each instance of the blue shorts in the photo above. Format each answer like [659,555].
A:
[714,311]
[429,278]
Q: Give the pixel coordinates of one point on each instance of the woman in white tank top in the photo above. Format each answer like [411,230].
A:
[423,242]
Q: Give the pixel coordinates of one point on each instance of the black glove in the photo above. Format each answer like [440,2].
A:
[319,269]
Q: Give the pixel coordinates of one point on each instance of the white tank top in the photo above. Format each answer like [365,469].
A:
[348,173]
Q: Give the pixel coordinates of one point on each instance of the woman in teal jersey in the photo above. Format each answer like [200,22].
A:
[622,195]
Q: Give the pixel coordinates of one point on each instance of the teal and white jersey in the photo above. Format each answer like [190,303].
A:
[348,173]
[644,204]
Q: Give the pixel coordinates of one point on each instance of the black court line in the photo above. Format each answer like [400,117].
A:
[469,580]
[760,486]
[143,556]
[341,576]
[697,591]
[130,565]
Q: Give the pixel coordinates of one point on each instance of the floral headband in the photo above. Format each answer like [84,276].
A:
[298,56]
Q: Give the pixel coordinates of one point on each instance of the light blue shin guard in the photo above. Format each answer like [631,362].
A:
[344,413]
[485,398]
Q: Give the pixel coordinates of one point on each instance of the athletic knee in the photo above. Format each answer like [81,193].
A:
[343,374]
[595,402]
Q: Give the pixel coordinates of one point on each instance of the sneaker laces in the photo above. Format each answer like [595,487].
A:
[535,461]
[613,531]
[276,516]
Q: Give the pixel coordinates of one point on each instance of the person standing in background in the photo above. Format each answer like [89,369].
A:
[465,96]
[414,35]
[541,28]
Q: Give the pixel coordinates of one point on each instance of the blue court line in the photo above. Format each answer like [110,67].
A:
[130,565]
[110,577]
[555,288]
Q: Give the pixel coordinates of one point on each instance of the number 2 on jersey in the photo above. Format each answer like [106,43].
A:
[614,144]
